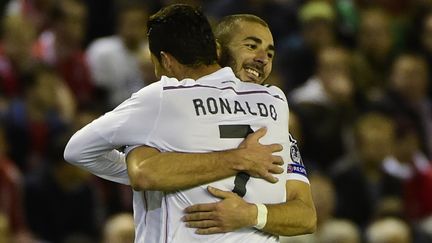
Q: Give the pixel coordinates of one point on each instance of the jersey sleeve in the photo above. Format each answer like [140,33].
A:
[295,167]
[94,147]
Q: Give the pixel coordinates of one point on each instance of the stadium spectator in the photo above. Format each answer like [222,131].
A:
[16,59]
[32,121]
[373,55]
[61,48]
[52,189]
[406,97]
[297,54]
[326,97]
[358,177]
[114,61]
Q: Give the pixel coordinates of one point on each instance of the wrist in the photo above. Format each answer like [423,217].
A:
[234,159]
[252,215]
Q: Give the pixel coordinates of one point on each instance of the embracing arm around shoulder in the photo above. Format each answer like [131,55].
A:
[150,169]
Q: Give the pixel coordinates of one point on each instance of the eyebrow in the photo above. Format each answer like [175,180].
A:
[259,41]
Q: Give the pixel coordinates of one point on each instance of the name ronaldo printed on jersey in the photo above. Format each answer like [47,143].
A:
[225,106]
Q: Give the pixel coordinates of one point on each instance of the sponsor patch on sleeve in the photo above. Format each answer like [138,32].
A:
[296,169]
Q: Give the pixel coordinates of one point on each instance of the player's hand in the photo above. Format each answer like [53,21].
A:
[258,160]
[227,215]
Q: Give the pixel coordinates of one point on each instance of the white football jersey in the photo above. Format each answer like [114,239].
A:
[212,113]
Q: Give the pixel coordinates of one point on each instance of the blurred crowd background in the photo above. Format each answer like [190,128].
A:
[357,74]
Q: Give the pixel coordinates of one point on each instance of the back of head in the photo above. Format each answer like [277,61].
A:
[185,33]
[388,230]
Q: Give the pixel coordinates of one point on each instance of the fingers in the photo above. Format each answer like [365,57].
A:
[257,135]
[201,224]
[276,169]
[275,147]
[208,231]
[219,193]
[277,160]
[205,207]
[199,216]
[269,177]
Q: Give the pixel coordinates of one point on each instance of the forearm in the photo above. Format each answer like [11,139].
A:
[291,218]
[175,171]
[296,216]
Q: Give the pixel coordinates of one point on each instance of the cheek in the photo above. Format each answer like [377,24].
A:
[268,69]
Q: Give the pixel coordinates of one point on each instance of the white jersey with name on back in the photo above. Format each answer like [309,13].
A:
[212,113]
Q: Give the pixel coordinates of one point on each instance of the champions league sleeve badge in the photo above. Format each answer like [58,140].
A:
[295,152]
[297,166]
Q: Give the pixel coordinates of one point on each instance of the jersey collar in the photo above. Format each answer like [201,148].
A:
[222,75]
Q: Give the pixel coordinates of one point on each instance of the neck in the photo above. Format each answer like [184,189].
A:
[198,72]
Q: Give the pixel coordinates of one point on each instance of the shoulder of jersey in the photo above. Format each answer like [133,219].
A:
[153,88]
[275,90]
[270,89]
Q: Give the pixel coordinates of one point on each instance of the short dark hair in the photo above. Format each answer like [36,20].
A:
[224,29]
[185,33]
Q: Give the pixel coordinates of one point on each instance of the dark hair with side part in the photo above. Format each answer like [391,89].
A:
[184,32]
[224,29]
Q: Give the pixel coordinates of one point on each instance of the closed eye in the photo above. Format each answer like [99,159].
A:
[251,46]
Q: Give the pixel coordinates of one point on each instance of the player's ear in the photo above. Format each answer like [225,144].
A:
[165,60]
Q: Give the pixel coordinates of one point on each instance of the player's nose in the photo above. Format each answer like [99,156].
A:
[261,57]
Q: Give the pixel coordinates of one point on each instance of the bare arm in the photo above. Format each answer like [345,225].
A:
[149,169]
[294,217]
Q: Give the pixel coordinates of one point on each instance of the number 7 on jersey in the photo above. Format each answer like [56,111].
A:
[237,131]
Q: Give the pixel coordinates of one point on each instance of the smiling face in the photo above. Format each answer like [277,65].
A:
[249,52]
